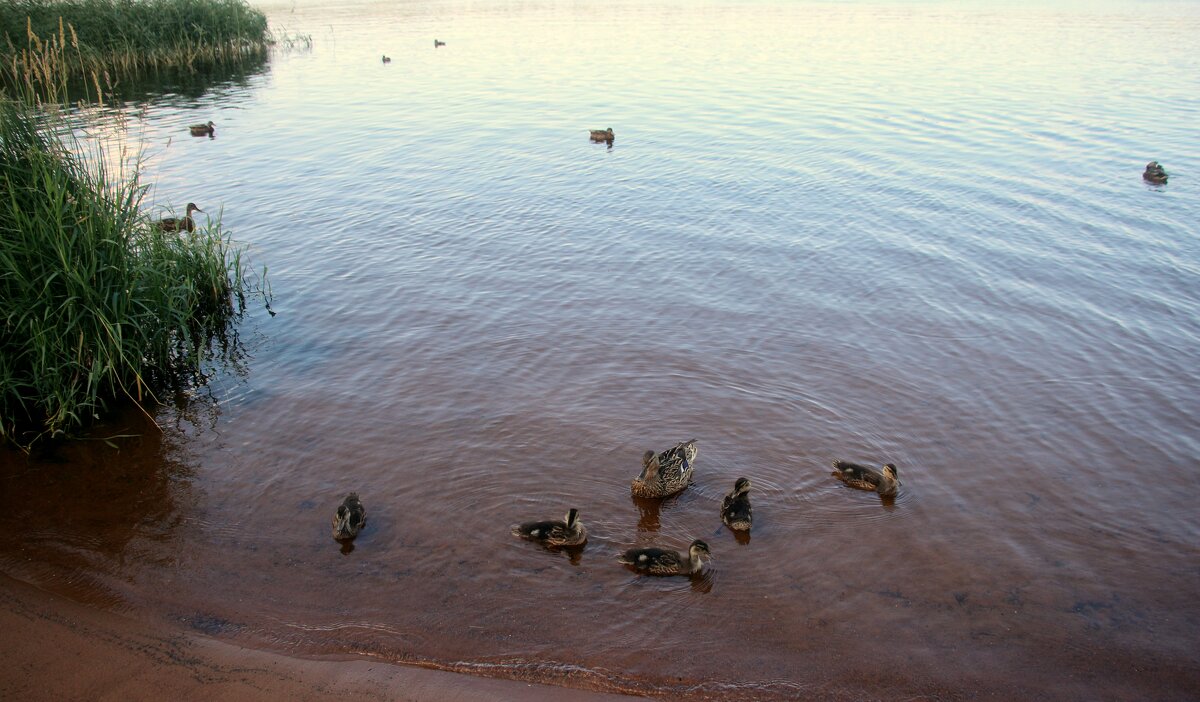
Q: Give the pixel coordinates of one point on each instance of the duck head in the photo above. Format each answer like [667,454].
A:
[343,528]
[740,487]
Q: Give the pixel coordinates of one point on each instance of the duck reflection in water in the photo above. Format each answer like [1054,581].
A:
[648,514]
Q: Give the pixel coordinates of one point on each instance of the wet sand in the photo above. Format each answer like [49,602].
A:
[55,649]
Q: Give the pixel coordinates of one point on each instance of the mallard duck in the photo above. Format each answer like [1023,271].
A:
[735,508]
[656,561]
[865,478]
[568,532]
[437,43]
[602,134]
[350,518]
[202,129]
[180,224]
[387,59]
[666,473]
[1155,173]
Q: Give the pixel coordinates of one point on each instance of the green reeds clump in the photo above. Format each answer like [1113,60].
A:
[97,304]
[125,37]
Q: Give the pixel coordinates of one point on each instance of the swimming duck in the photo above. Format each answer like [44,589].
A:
[735,509]
[437,43]
[387,59]
[1155,173]
[568,532]
[202,129]
[602,134]
[865,478]
[180,224]
[350,518]
[656,561]
[666,473]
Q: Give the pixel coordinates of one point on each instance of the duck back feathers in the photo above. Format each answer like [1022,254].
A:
[349,518]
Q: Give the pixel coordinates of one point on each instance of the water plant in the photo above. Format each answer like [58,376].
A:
[98,305]
[76,38]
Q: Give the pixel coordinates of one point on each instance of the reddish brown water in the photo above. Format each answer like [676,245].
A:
[873,232]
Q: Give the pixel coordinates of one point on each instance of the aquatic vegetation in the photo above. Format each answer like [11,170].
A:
[97,303]
[79,38]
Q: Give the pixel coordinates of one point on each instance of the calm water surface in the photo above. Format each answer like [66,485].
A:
[909,232]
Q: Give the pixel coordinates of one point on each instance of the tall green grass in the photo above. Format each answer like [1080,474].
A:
[79,38]
[97,304]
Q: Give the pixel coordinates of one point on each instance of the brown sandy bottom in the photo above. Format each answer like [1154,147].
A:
[53,648]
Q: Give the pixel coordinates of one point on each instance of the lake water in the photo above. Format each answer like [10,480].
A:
[907,232]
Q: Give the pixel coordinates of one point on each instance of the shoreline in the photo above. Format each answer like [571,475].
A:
[56,649]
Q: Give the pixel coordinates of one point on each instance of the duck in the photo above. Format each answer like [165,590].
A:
[349,518]
[666,473]
[202,129]
[735,508]
[602,134]
[437,43]
[387,59]
[883,482]
[656,561]
[180,224]
[1155,173]
[568,532]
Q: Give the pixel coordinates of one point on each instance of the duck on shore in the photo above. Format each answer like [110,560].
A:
[203,129]
[656,561]
[1155,173]
[349,518]
[180,224]
[568,532]
[735,508]
[862,477]
[666,473]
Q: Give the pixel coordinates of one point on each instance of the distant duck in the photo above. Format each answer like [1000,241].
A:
[1155,173]
[202,129]
[735,509]
[387,59]
[349,518]
[883,482]
[180,224]
[666,473]
[602,134]
[656,561]
[568,532]
[437,43]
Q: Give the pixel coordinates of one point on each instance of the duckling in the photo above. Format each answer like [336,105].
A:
[865,478]
[350,518]
[666,473]
[437,43]
[202,129]
[569,532]
[1155,173]
[387,59]
[602,134]
[180,224]
[735,509]
[656,561]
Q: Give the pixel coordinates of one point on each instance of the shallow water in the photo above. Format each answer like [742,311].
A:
[884,232]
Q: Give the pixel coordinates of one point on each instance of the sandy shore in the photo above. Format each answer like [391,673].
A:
[54,649]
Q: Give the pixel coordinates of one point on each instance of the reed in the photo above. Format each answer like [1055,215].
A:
[97,304]
[76,38]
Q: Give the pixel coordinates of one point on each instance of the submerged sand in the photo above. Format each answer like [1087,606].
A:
[53,648]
